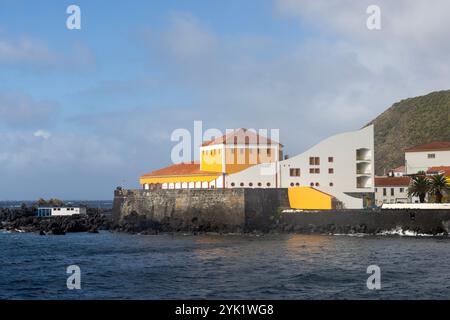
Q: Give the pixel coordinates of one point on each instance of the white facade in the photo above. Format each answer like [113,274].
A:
[391,194]
[341,165]
[422,160]
[216,183]
[60,211]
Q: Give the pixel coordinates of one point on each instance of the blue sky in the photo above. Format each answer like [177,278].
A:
[82,111]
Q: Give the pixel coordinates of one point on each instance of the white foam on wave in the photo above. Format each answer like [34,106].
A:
[407,233]
[393,232]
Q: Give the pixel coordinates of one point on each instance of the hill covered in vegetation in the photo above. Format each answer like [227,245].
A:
[408,123]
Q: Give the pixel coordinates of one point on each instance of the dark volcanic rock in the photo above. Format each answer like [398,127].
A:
[25,219]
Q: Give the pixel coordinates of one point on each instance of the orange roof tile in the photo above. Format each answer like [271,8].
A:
[442,169]
[392,181]
[180,169]
[240,136]
[432,146]
[399,169]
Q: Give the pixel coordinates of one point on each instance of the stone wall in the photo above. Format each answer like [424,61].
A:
[366,221]
[248,210]
[222,210]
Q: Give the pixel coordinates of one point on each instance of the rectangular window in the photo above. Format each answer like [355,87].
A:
[392,192]
[314,161]
[269,151]
[294,172]
[330,159]
[384,192]
[402,190]
[311,170]
[431,155]
[376,189]
[330,170]
[316,170]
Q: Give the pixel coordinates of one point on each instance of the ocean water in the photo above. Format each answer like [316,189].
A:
[123,266]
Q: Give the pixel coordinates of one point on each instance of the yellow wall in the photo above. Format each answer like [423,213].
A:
[211,161]
[236,159]
[174,179]
[309,199]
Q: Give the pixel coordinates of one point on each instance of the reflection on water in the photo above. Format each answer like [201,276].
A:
[121,266]
[310,244]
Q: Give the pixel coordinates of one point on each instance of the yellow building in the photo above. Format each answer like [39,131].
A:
[308,198]
[230,153]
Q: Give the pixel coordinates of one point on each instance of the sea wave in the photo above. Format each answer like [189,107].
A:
[393,232]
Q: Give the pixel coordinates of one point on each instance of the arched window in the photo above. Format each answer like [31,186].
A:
[317,184]
[312,184]
[292,184]
[297,184]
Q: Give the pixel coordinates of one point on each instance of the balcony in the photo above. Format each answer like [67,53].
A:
[363,182]
[363,168]
[363,154]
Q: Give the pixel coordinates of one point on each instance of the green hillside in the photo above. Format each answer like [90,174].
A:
[408,123]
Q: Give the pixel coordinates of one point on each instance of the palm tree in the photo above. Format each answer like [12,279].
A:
[439,186]
[419,187]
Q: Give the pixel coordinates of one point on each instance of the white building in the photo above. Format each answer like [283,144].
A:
[59,211]
[400,171]
[392,190]
[422,157]
[341,165]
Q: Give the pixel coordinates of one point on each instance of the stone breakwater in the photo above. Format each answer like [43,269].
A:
[24,220]
[413,222]
[258,210]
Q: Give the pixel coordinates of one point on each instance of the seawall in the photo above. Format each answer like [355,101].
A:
[247,210]
[366,221]
[220,210]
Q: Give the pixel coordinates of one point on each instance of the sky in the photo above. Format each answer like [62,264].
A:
[83,111]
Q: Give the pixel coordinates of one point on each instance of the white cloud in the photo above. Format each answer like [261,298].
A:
[35,54]
[42,134]
[18,109]
[338,79]
[186,38]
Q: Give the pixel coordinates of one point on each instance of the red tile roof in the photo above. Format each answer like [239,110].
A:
[432,146]
[241,135]
[442,169]
[392,181]
[180,169]
[399,169]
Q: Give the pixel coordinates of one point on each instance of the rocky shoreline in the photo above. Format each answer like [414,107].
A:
[25,220]
[340,222]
